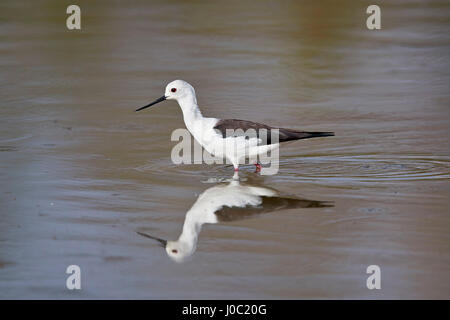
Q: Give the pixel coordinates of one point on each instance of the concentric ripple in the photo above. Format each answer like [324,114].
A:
[331,168]
[368,167]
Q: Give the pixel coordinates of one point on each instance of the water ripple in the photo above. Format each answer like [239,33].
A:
[336,168]
[368,167]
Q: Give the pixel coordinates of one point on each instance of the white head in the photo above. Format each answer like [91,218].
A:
[175,90]
[178,89]
[179,250]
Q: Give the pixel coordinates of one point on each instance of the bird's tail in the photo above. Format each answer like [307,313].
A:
[319,134]
[289,135]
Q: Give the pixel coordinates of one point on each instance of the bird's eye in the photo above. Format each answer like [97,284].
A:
[175,251]
[173,89]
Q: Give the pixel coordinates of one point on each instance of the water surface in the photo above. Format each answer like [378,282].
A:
[81,172]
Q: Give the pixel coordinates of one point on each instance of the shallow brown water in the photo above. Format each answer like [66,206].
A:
[81,172]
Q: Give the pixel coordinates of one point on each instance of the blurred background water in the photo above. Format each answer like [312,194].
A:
[81,172]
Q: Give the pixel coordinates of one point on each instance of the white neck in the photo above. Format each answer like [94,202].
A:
[189,235]
[191,112]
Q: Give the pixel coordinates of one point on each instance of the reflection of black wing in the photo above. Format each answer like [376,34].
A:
[247,126]
[269,204]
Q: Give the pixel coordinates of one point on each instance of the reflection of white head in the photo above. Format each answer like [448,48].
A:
[179,250]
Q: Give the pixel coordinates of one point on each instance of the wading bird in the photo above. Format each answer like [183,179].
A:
[232,139]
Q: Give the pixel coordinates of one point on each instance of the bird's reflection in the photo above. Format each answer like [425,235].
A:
[228,202]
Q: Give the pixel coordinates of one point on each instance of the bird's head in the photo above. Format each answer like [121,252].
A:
[175,90]
[177,250]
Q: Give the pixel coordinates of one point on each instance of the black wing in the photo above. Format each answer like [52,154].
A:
[269,204]
[234,127]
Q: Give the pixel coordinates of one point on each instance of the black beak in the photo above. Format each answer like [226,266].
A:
[154,102]
[162,242]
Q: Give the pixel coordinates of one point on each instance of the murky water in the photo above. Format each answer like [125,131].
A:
[81,173]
